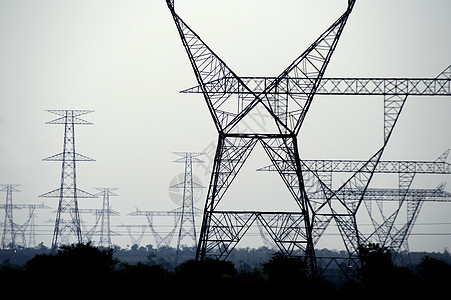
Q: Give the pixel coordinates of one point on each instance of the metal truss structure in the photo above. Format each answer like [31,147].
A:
[187,223]
[103,216]
[385,233]
[184,216]
[67,221]
[163,239]
[11,230]
[135,240]
[286,99]
[105,224]
[29,227]
[335,86]
[9,227]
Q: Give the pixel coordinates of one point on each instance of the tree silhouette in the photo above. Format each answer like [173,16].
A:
[435,275]
[379,276]
[91,270]
[289,276]
[76,261]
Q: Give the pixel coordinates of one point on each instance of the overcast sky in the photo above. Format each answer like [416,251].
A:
[125,60]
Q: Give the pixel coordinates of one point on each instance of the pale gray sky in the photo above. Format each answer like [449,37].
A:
[124,59]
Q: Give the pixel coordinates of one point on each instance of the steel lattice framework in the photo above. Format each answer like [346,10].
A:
[176,214]
[67,221]
[385,233]
[286,99]
[187,221]
[9,227]
[11,230]
[184,216]
[103,216]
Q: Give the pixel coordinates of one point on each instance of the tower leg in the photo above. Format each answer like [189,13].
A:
[216,238]
[284,154]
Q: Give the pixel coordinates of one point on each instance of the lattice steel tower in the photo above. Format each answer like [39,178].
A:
[286,99]
[384,232]
[105,216]
[13,233]
[221,231]
[187,221]
[9,227]
[67,223]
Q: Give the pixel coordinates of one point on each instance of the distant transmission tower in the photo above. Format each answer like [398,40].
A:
[11,230]
[187,222]
[29,226]
[184,215]
[103,217]
[9,227]
[135,240]
[105,214]
[67,221]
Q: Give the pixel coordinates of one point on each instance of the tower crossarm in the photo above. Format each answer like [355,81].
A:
[32,206]
[336,86]
[97,211]
[72,115]
[384,194]
[163,213]
[419,167]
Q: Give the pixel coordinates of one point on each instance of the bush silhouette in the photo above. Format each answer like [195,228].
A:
[379,276]
[76,260]
[435,275]
[136,277]
[209,270]
[289,276]
[282,270]
[85,268]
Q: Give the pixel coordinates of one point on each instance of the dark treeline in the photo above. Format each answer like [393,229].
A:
[244,259]
[250,272]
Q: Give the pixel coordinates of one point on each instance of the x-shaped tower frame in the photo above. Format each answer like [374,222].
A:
[287,99]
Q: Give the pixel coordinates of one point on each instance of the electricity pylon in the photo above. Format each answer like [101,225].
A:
[29,225]
[9,227]
[166,238]
[11,230]
[187,225]
[184,216]
[221,231]
[385,233]
[103,216]
[67,222]
[105,224]
[133,239]
[286,99]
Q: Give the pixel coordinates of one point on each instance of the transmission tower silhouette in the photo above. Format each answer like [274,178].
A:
[130,229]
[184,215]
[385,232]
[30,225]
[187,225]
[13,231]
[103,216]
[161,239]
[286,99]
[9,227]
[67,223]
[105,223]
